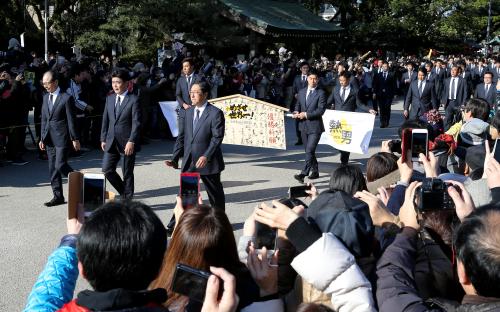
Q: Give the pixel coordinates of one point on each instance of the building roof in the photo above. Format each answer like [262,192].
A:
[278,18]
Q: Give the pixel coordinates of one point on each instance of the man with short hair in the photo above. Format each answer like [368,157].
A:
[79,75]
[421,97]
[58,128]
[384,87]
[487,89]
[299,83]
[408,77]
[184,83]
[120,133]
[346,98]
[309,109]
[453,96]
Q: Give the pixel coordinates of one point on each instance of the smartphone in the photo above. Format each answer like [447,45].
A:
[298,191]
[419,143]
[190,282]
[190,189]
[265,236]
[496,150]
[405,143]
[94,192]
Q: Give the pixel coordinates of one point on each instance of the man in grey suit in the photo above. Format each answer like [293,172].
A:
[201,131]
[421,97]
[486,90]
[57,129]
[346,98]
[453,96]
[309,109]
[184,83]
[120,133]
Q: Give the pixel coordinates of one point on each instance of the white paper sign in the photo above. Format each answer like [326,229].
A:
[170,113]
[348,131]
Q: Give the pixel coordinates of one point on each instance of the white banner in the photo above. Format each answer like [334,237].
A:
[169,111]
[348,131]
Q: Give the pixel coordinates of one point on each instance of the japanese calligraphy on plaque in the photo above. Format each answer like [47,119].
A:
[251,122]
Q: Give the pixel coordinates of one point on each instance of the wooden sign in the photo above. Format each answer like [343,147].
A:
[252,122]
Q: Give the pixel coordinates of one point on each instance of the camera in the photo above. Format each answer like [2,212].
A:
[433,195]
[395,146]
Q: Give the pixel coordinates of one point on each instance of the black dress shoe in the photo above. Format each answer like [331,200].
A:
[298,143]
[54,202]
[300,177]
[313,176]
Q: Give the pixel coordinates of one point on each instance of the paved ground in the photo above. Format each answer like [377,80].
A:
[30,231]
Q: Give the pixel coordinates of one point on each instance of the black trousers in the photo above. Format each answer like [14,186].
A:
[310,143]
[384,106]
[344,157]
[452,109]
[58,167]
[297,131]
[215,190]
[111,158]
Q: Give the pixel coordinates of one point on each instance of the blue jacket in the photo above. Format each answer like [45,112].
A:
[56,284]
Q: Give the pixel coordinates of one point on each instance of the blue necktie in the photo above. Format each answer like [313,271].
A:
[196,119]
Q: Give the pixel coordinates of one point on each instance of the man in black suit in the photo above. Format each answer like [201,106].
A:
[120,133]
[421,97]
[384,86]
[408,77]
[486,90]
[309,109]
[430,76]
[201,131]
[453,96]
[299,83]
[495,69]
[479,71]
[440,75]
[58,127]
[184,83]
[346,98]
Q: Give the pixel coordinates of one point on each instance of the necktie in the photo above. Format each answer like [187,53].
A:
[343,94]
[453,88]
[189,82]
[303,78]
[437,71]
[385,75]
[51,102]
[196,119]
[486,89]
[420,88]
[117,105]
[308,94]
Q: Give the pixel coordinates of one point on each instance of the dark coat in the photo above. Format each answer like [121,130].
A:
[58,126]
[490,97]
[205,141]
[351,103]
[182,89]
[419,104]
[314,107]
[126,126]
[461,90]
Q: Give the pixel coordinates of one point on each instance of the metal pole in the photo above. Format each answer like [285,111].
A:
[488,27]
[46,31]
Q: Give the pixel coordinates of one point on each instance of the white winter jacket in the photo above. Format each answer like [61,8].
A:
[332,269]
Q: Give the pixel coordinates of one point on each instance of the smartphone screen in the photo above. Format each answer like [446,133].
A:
[190,187]
[93,192]
[190,282]
[418,144]
[265,236]
[298,191]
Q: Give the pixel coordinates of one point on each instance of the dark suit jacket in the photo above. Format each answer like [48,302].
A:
[314,108]
[182,91]
[430,77]
[205,141]
[126,127]
[420,104]
[351,103]
[58,126]
[461,91]
[490,97]
[405,76]
[298,84]
[384,87]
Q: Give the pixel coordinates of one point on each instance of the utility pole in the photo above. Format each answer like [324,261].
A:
[46,20]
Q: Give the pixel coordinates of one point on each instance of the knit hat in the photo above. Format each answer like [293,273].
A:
[346,217]
[474,131]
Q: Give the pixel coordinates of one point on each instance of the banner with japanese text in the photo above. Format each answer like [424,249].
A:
[348,131]
[251,122]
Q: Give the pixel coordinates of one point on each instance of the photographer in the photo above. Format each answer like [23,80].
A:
[477,267]
[120,251]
